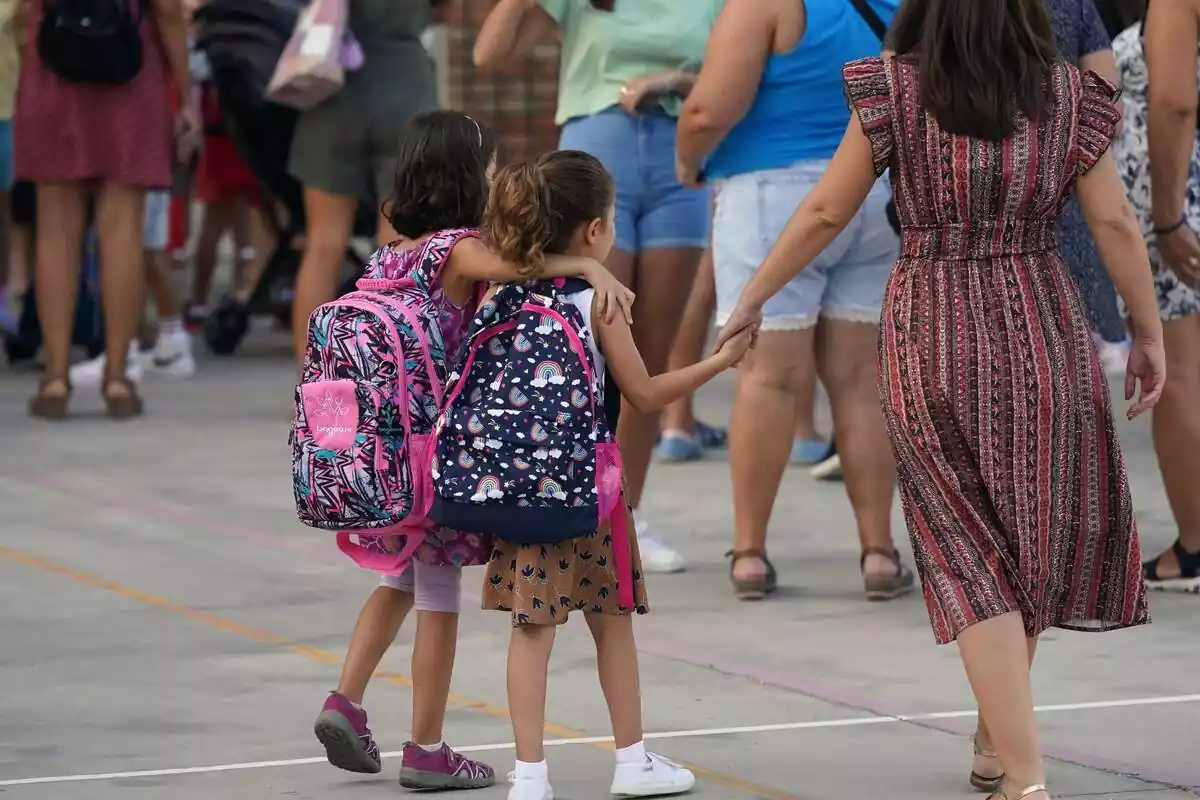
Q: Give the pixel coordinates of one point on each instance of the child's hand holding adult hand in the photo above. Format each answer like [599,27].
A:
[613,297]
[734,348]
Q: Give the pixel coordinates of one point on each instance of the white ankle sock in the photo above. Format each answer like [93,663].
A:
[169,326]
[430,748]
[634,754]
[532,770]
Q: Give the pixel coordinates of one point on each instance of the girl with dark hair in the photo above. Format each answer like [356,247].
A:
[564,204]
[443,171]
[1010,468]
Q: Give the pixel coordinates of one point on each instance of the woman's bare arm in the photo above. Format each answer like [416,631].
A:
[511,29]
[723,92]
[1119,239]
[1171,34]
[172,21]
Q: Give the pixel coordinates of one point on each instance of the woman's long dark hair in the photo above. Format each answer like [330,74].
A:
[981,61]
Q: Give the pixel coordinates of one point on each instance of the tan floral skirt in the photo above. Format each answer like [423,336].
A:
[540,584]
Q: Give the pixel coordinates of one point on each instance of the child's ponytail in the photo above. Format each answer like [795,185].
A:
[518,219]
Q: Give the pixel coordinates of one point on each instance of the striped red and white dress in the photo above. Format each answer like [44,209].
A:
[1011,473]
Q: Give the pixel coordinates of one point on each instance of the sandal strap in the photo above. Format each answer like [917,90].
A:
[1028,790]
[979,751]
[753,552]
[1189,563]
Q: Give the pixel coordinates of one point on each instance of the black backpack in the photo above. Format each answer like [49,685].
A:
[92,41]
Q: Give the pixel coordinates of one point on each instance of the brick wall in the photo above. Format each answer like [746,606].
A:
[518,102]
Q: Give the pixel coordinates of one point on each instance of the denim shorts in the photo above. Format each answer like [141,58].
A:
[654,210]
[156,226]
[846,281]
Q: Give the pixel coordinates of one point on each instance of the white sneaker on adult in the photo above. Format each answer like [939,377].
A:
[91,373]
[656,556]
[535,788]
[654,778]
[172,355]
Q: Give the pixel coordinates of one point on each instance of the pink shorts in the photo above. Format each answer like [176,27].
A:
[433,588]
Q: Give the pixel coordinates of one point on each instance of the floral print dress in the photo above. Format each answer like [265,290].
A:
[1176,299]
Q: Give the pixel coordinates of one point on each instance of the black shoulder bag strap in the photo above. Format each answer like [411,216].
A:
[873,20]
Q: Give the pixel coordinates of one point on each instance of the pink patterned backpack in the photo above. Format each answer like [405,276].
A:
[370,392]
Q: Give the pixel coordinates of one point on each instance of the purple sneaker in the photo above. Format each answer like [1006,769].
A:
[442,769]
[342,728]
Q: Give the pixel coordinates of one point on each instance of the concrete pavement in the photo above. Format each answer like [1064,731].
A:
[169,631]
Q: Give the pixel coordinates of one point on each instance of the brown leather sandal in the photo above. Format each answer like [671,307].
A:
[127,404]
[50,406]
[753,588]
[980,782]
[887,587]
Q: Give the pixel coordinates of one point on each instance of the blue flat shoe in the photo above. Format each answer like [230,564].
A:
[808,451]
[676,447]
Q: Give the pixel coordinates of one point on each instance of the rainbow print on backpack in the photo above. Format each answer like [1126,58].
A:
[524,451]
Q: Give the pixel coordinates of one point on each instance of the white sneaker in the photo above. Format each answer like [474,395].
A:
[529,788]
[656,556]
[172,355]
[828,470]
[656,777]
[91,373]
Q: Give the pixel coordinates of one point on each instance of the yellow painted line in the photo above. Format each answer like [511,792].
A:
[312,653]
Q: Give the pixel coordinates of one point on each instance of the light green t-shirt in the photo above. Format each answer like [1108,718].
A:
[603,49]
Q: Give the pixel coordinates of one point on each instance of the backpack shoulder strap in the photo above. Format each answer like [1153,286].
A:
[873,20]
[436,252]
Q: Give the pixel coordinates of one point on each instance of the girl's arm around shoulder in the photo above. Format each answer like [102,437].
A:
[471,261]
[646,393]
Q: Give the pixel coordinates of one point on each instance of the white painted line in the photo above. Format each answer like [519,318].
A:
[479,748]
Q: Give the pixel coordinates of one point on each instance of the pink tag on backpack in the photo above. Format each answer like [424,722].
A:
[331,409]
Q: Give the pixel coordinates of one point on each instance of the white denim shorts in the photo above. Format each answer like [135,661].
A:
[847,281]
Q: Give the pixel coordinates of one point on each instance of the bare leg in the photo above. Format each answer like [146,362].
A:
[432,668]
[764,406]
[987,763]
[995,654]
[60,225]
[846,357]
[1176,428]
[528,666]
[376,629]
[213,224]
[120,211]
[262,240]
[23,264]
[806,401]
[617,663]
[330,221]
[690,343]
[658,278]
[159,281]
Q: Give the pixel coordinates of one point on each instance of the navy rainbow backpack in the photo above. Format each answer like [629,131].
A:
[523,449]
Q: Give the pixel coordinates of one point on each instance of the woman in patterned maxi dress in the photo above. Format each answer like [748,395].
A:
[1010,469]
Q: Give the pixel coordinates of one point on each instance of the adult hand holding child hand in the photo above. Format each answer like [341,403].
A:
[731,351]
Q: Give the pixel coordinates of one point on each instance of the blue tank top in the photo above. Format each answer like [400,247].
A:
[800,110]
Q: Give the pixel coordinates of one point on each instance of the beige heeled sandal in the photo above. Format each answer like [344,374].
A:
[1026,792]
[981,782]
